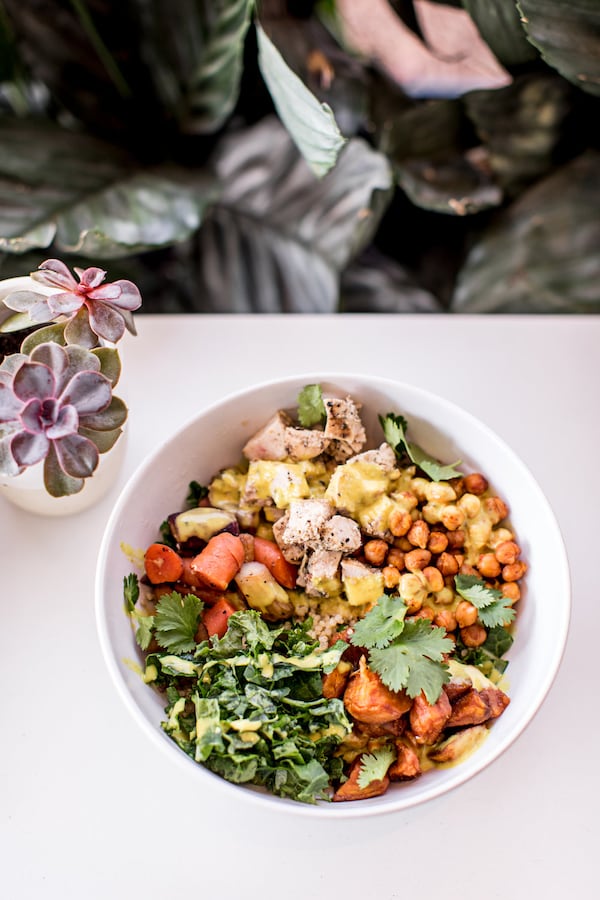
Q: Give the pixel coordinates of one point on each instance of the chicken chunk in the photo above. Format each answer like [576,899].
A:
[318,572]
[341,533]
[476,707]
[428,720]
[334,683]
[383,456]
[343,428]
[279,440]
[303,526]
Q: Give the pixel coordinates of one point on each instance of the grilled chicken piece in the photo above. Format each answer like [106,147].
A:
[318,572]
[457,688]
[279,440]
[406,765]
[341,533]
[304,522]
[368,699]
[343,428]
[428,720]
[383,456]
[350,789]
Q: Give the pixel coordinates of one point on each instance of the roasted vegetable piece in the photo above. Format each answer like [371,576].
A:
[334,683]
[368,699]
[220,560]
[268,552]
[216,617]
[476,707]
[162,564]
[202,522]
[428,720]
[350,789]
[458,745]
[406,764]
[262,592]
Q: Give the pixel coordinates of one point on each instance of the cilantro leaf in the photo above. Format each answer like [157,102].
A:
[311,408]
[143,632]
[493,607]
[383,623]
[166,535]
[176,621]
[374,766]
[394,431]
[131,591]
[414,660]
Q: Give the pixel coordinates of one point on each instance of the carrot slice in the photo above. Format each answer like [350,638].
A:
[162,564]
[215,618]
[269,554]
[219,561]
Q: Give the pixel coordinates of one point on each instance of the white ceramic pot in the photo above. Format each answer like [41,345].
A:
[27,490]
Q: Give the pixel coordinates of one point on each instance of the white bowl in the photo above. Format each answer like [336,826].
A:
[214,438]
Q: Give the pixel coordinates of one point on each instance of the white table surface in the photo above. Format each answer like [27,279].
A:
[89,807]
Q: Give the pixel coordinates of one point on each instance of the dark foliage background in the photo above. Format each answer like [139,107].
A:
[236,157]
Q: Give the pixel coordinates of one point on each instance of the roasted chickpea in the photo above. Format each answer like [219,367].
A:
[419,534]
[400,522]
[445,596]
[435,579]
[391,576]
[425,612]
[375,552]
[488,565]
[511,590]
[395,558]
[445,618]
[447,564]
[514,571]
[470,505]
[496,509]
[467,569]
[507,552]
[473,635]
[417,560]
[402,543]
[437,542]
[440,492]
[452,517]
[475,483]
[466,614]
[456,539]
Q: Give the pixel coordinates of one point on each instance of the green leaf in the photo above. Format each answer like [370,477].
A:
[374,766]
[311,408]
[394,430]
[540,254]
[110,363]
[413,661]
[311,124]
[500,26]
[196,493]
[80,192]
[103,440]
[176,621]
[54,333]
[144,630]
[383,623]
[278,238]
[377,283]
[57,482]
[567,34]
[493,607]
[108,419]
[131,591]
[522,126]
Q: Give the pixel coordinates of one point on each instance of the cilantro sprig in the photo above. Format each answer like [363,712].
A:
[176,621]
[394,430]
[311,408]
[374,766]
[493,607]
[406,655]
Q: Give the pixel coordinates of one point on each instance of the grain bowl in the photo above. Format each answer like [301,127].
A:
[429,579]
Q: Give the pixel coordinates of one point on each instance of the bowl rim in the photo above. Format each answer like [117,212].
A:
[364,808]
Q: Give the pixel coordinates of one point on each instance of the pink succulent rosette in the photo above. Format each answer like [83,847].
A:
[57,406]
[93,310]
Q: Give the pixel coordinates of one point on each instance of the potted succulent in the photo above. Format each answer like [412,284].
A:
[58,413]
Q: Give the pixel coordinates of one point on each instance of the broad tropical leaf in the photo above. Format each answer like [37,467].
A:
[196,51]
[567,34]
[500,26]
[541,253]
[278,237]
[311,124]
[377,283]
[83,194]
[521,126]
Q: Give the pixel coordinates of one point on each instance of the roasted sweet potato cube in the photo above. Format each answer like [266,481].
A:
[350,789]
